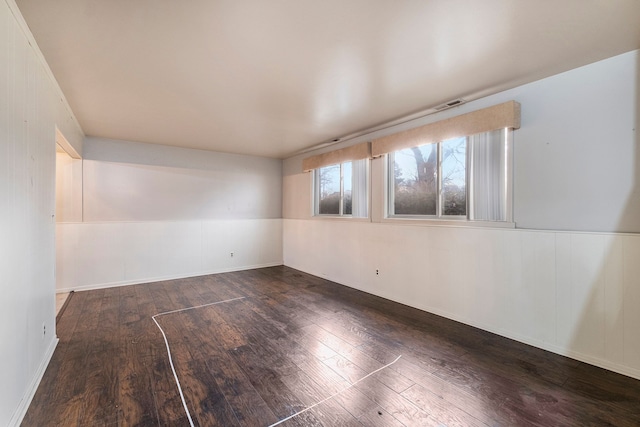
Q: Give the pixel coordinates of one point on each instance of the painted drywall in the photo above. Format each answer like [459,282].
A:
[32,106]
[576,168]
[130,181]
[152,212]
[577,156]
[187,210]
[68,188]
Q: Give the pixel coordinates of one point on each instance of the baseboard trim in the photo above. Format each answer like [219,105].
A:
[562,351]
[64,306]
[22,408]
[163,278]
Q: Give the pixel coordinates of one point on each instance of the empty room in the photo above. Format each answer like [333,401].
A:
[319,213]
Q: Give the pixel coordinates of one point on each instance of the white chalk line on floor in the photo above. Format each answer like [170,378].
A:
[166,343]
[175,375]
[335,394]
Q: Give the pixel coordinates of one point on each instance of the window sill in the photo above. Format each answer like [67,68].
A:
[431,222]
[340,218]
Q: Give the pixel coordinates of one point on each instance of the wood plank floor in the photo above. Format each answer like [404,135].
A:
[292,341]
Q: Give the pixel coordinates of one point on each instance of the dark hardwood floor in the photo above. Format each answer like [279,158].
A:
[292,341]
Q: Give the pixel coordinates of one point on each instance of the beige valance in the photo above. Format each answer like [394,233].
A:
[506,115]
[355,152]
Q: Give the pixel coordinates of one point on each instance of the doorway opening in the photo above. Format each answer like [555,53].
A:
[68,195]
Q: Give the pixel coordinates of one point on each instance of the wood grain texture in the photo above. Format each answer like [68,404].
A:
[293,341]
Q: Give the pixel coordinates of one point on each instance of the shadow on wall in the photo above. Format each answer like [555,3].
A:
[605,294]
[597,284]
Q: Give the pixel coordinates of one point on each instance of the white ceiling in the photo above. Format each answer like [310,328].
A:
[270,78]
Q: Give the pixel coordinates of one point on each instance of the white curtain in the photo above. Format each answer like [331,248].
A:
[359,196]
[488,184]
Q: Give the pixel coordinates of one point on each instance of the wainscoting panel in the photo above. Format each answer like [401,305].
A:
[31,108]
[95,255]
[573,293]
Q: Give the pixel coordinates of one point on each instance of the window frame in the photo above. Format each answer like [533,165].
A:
[390,159]
[366,198]
[440,218]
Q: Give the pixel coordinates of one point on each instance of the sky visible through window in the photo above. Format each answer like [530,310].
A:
[454,161]
[331,179]
[418,176]
[453,167]
[333,201]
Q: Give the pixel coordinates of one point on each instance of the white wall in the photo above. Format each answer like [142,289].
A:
[68,188]
[575,294]
[577,156]
[100,254]
[576,166]
[131,181]
[31,106]
[154,212]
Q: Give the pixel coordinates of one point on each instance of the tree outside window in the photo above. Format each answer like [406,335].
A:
[430,179]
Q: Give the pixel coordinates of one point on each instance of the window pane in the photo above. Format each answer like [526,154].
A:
[329,190]
[347,177]
[415,180]
[454,176]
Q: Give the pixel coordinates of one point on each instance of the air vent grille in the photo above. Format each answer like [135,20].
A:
[450,104]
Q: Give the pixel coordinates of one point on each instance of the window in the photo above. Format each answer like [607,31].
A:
[341,189]
[458,178]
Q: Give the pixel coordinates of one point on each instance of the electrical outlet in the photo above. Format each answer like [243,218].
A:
[231,254]
[377,272]
[44,330]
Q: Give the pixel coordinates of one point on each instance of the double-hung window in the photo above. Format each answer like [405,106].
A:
[341,189]
[466,177]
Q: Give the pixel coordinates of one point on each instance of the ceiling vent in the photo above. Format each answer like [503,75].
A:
[450,104]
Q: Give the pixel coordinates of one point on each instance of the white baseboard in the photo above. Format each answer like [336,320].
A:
[21,411]
[163,278]
[562,351]
[567,352]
